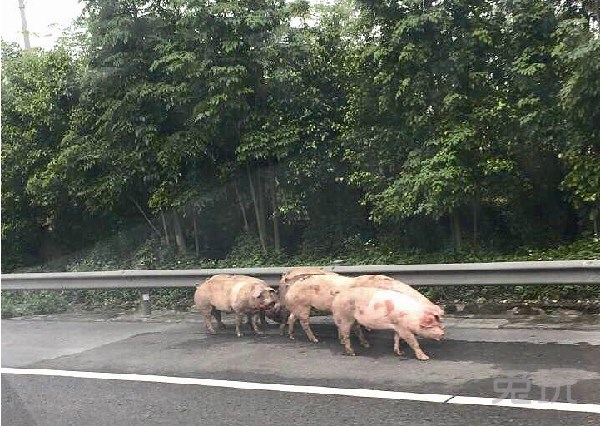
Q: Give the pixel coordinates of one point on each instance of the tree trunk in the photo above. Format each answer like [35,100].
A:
[165,227]
[196,235]
[24,29]
[242,208]
[475,223]
[179,235]
[275,208]
[456,229]
[259,222]
[262,209]
[594,217]
[146,217]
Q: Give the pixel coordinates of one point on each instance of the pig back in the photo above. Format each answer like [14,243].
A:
[388,283]
[302,270]
[296,274]
[316,291]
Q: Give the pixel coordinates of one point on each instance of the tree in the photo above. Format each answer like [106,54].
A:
[578,51]
[39,89]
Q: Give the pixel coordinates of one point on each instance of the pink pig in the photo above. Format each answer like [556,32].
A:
[380,309]
[315,292]
[241,294]
[289,278]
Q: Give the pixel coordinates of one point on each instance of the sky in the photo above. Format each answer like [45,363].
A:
[46,20]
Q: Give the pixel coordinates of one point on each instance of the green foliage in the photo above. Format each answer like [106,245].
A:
[32,303]
[248,253]
[579,53]
[38,91]
[190,133]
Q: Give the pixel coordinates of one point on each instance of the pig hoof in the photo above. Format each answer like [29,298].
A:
[400,354]
[240,334]
[365,345]
[315,340]
[259,333]
[292,337]
[422,357]
[213,332]
[350,353]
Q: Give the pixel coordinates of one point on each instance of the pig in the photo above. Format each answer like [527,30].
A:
[238,293]
[381,309]
[315,291]
[287,279]
[388,283]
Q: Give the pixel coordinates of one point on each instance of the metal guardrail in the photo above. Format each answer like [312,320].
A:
[502,273]
[499,273]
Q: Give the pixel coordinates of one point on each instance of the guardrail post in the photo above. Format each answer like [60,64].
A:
[145,302]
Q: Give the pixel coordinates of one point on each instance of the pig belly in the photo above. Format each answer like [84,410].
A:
[373,321]
[323,305]
[221,302]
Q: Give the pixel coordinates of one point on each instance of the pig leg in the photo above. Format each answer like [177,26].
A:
[257,330]
[263,318]
[207,320]
[238,322]
[340,337]
[397,350]
[344,330]
[249,320]
[413,343]
[309,333]
[361,335]
[291,324]
[217,314]
[284,319]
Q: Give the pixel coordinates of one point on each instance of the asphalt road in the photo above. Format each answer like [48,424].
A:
[558,365]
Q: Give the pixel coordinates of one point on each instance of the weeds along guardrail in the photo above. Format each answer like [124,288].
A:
[584,272]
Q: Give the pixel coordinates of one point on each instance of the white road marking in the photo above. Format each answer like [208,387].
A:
[319,390]
[526,403]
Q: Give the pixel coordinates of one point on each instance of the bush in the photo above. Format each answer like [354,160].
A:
[18,303]
[247,252]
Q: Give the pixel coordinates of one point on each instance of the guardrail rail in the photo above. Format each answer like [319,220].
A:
[497,273]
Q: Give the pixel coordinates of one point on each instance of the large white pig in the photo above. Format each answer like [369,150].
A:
[287,279]
[234,293]
[381,309]
[318,291]
[315,292]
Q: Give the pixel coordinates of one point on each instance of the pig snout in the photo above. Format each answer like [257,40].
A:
[275,312]
[431,327]
[270,301]
[436,333]
[270,305]
[439,333]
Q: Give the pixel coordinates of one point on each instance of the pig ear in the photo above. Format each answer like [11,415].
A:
[256,291]
[428,320]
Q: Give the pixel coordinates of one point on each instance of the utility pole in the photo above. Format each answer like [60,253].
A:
[24,24]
